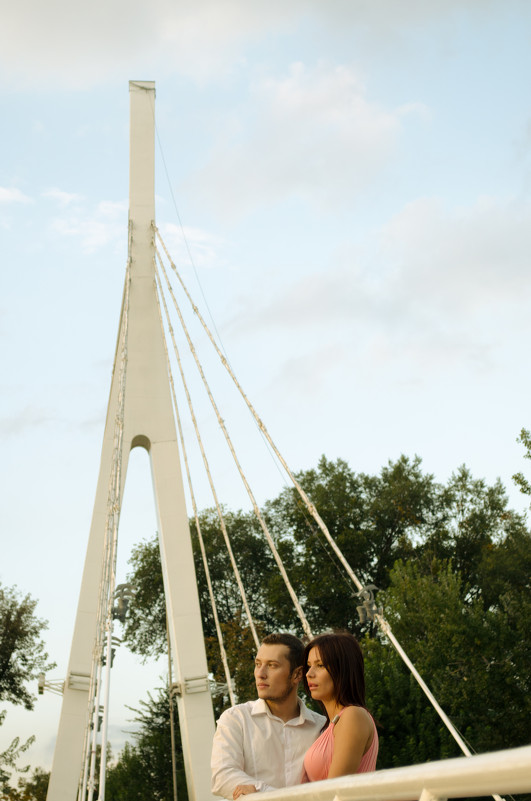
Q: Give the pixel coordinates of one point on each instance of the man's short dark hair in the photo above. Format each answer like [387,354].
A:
[295,646]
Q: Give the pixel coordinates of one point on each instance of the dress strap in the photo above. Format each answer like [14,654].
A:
[339,714]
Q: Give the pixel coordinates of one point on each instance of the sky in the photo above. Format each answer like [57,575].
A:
[345,188]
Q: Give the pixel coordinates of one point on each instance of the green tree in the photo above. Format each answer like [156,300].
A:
[374,521]
[143,769]
[519,478]
[22,658]
[471,657]
[22,651]
[409,729]
[9,758]
[452,564]
[145,620]
[33,788]
[475,518]
[256,565]
[36,787]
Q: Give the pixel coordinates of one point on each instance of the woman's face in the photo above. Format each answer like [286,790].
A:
[319,679]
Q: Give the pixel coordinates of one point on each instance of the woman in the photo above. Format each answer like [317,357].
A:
[335,677]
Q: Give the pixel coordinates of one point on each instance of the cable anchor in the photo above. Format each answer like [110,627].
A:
[367,610]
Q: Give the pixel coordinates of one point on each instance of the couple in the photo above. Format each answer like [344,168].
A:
[277,741]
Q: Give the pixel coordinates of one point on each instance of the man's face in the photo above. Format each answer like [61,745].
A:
[272,673]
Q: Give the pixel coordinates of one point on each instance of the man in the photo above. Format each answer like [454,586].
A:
[260,745]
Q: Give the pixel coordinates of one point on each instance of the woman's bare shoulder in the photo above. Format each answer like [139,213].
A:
[355,713]
[355,716]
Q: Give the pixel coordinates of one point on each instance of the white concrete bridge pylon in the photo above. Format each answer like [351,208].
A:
[148,423]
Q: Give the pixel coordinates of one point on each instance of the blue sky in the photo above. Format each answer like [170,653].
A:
[353,179]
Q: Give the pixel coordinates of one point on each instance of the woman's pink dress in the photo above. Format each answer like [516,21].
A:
[319,756]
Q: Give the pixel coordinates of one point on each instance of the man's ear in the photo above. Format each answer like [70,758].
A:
[296,676]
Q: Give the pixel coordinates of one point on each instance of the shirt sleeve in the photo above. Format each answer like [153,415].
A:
[228,760]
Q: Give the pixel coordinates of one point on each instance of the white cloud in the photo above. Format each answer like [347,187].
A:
[207,38]
[28,418]
[440,284]
[309,373]
[313,134]
[94,228]
[380,17]
[59,40]
[62,198]
[460,260]
[13,195]
[85,44]
[112,209]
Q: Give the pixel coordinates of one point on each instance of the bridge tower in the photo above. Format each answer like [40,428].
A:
[148,422]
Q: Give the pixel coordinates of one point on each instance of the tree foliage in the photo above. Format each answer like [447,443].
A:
[374,521]
[519,478]
[451,562]
[144,769]
[475,665]
[145,622]
[409,729]
[10,756]
[22,651]
[33,788]
[22,658]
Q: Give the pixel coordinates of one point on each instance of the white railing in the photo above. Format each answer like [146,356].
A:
[481,775]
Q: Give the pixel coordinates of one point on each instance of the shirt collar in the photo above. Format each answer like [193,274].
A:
[261,708]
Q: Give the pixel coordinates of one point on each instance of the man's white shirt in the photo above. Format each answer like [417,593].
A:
[253,746]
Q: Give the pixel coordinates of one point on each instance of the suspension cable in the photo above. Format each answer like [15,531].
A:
[172,722]
[116,508]
[104,621]
[280,564]
[362,590]
[309,505]
[192,494]
[211,482]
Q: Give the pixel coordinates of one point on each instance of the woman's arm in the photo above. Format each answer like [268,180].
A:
[353,735]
